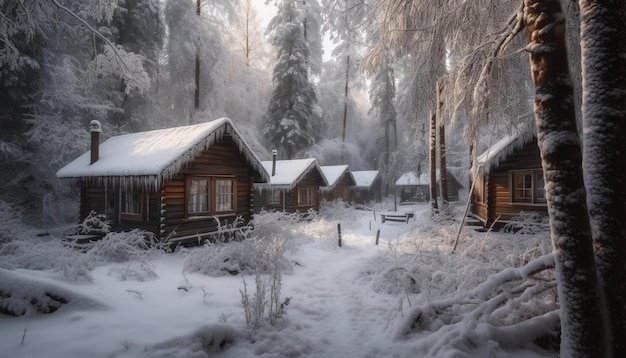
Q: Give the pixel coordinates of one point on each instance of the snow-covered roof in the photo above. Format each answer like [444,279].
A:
[410,178]
[149,158]
[501,150]
[333,173]
[365,178]
[289,173]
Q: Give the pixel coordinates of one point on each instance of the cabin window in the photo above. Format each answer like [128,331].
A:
[198,196]
[528,186]
[210,195]
[305,196]
[131,203]
[225,194]
[274,197]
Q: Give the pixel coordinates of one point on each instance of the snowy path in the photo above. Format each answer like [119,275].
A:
[332,308]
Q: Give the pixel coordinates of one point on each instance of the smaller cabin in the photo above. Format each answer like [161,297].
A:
[508,181]
[182,184]
[340,181]
[413,188]
[368,187]
[293,186]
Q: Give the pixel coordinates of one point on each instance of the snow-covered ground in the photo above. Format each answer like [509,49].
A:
[352,301]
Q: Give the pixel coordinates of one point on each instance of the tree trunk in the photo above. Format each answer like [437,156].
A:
[443,181]
[604,121]
[432,162]
[561,156]
[196,99]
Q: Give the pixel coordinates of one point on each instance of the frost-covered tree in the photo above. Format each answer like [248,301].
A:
[382,97]
[195,44]
[60,59]
[293,104]
[604,152]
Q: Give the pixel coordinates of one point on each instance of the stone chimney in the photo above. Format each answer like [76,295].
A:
[274,154]
[95,129]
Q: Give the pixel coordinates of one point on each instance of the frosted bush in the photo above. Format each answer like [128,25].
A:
[94,224]
[121,246]
[247,256]
[11,225]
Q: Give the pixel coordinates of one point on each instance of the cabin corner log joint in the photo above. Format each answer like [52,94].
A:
[180,183]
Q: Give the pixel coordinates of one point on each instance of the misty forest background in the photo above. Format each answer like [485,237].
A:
[346,82]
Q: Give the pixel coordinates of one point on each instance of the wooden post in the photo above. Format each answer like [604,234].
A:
[339,232]
[377,236]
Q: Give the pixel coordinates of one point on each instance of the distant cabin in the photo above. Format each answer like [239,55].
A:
[368,187]
[180,183]
[293,186]
[509,181]
[340,181]
[413,188]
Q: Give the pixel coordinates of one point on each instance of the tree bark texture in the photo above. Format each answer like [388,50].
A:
[561,155]
[603,45]
[443,174]
[432,160]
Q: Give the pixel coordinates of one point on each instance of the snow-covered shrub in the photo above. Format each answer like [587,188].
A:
[11,225]
[94,224]
[247,256]
[37,254]
[121,246]
[528,223]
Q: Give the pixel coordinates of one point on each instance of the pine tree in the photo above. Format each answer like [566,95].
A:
[288,122]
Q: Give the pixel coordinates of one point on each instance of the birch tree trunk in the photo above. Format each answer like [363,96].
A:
[561,155]
[604,122]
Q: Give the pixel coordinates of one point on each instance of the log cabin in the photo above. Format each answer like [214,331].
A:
[368,187]
[340,181]
[508,181]
[414,188]
[293,186]
[182,184]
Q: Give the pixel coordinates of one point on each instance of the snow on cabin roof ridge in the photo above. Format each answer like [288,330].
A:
[500,150]
[333,173]
[289,172]
[365,178]
[151,157]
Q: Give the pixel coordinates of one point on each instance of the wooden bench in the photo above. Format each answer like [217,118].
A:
[398,217]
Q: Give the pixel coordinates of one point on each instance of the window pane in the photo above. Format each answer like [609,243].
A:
[131,201]
[523,187]
[198,195]
[305,196]
[225,195]
[540,192]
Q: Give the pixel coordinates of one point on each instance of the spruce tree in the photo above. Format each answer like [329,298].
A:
[293,103]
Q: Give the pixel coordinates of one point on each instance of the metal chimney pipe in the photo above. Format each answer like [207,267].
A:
[274,154]
[95,129]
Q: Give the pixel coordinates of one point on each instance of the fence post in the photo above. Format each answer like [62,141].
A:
[339,231]
[377,236]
